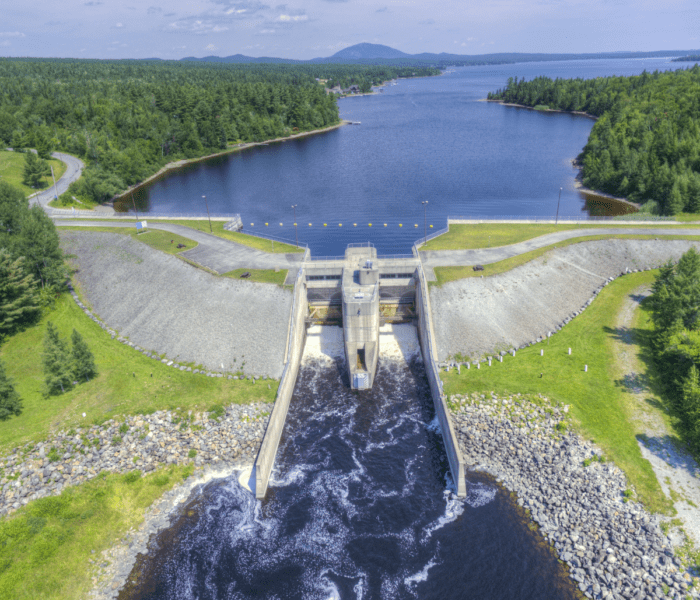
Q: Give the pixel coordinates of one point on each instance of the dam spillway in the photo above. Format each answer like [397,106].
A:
[359,291]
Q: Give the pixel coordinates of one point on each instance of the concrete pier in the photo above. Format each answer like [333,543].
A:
[360,287]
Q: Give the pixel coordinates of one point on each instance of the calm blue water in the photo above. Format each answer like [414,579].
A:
[423,139]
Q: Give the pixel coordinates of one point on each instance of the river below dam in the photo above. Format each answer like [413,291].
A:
[360,506]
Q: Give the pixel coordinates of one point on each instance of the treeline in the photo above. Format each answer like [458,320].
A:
[32,273]
[127,119]
[675,311]
[689,58]
[645,144]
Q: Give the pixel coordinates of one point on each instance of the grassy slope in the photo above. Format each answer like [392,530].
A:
[235,236]
[12,166]
[128,382]
[488,235]
[155,238]
[447,274]
[597,402]
[46,547]
[259,275]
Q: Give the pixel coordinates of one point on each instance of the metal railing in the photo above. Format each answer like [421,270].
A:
[547,219]
[274,238]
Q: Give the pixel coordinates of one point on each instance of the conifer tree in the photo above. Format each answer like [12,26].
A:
[18,295]
[10,402]
[83,360]
[35,169]
[57,362]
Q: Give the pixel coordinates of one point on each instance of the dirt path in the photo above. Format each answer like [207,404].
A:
[677,472]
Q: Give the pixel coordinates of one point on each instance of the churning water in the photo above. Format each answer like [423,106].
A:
[361,506]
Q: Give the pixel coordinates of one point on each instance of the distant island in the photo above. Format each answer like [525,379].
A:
[378,54]
[688,58]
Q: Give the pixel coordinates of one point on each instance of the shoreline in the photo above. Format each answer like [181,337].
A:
[580,113]
[177,164]
[580,504]
[578,180]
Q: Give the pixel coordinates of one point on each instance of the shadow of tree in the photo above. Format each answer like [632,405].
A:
[672,452]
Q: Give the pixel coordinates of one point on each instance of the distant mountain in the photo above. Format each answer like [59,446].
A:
[377,54]
[369,51]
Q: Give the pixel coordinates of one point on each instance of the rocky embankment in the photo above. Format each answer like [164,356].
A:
[232,436]
[613,547]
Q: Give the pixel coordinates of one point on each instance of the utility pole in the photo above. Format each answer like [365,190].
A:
[55,189]
[425,220]
[556,221]
[296,236]
[208,215]
[134,203]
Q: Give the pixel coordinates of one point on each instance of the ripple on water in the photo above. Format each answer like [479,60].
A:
[359,506]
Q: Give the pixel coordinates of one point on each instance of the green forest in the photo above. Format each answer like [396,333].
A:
[644,146]
[127,119]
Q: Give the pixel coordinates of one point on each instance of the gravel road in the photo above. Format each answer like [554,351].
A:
[167,306]
[479,315]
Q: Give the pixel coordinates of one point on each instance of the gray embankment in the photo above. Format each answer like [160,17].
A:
[169,307]
[477,315]
[614,549]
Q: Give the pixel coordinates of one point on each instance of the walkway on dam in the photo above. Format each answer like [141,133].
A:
[215,253]
[485,256]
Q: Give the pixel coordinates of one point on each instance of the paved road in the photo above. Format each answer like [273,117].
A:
[485,256]
[74,169]
[215,253]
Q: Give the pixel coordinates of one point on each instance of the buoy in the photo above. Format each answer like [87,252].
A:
[265,224]
[370,224]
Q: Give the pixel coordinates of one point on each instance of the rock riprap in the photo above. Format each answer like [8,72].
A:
[143,442]
[613,547]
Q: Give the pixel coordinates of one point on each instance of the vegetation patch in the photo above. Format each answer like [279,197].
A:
[12,171]
[52,547]
[128,382]
[598,404]
[447,274]
[171,243]
[491,235]
[259,275]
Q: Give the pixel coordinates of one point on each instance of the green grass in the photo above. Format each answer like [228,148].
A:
[259,275]
[492,235]
[447,274]
[236,236]
[128,382]
[598,405]
[12,167]
[155,238]
[46,548]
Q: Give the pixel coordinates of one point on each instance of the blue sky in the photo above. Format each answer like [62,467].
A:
[312,28]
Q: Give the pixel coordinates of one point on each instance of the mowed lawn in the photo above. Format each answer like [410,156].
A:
[128,382]
[12,167]
[492,235]
[598,404]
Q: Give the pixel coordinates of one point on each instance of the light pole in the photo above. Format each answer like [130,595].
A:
[556,221]
[296,236]
[425,220]
[208,215]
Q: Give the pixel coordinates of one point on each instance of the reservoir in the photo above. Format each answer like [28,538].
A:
[431,139]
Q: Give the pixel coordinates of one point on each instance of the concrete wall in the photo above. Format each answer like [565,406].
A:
[295,349]
[427,343]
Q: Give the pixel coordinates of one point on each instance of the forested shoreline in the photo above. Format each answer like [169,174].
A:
[645,144]
[128,119]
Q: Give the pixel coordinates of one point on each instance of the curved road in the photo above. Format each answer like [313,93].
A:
[485,256]
[74,169]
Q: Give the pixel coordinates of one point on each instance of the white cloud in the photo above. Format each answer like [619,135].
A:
[210,47]
[293,18]
[5,43]
[267,31]
[12,34]
[119,25]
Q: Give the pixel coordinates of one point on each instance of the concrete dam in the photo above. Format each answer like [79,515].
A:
[359,292]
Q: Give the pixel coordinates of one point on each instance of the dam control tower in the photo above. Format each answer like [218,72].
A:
[360,294]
